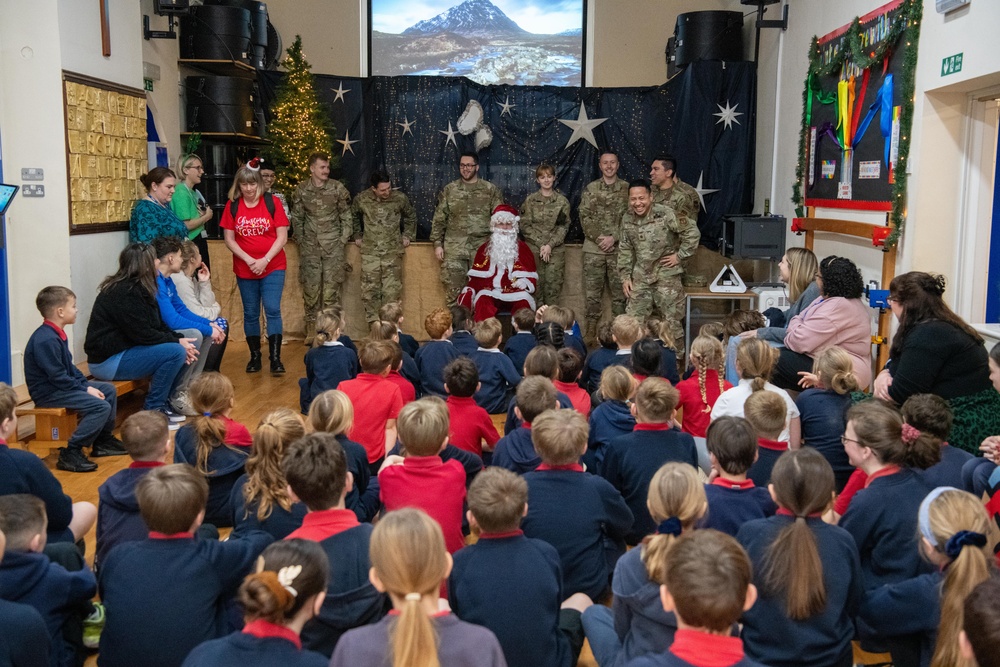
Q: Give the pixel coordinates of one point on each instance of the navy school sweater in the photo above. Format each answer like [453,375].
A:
[823,414]
[595,364]
[431,359]
[464,342]
[517,348]
[408,343]
[768,453]
[904,616]
[575,512]
[883,521]
[518,598]
[513,423]
[498,378]
[410,372]
[56,593]
[574,342]
[732,504]
[516,452]
[24,472]
[225,465]
[362,499]
[668,364]
[326,367]
[948,471]
[631,460]
[48,365]
[823,639]
[24,640]
[351,600]
[242,649]
[278,524]
[199,577]
[118,518]
[640,621]
[704,645]
[609,420]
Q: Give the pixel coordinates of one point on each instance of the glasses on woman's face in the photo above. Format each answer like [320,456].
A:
[844,440]
[892,299]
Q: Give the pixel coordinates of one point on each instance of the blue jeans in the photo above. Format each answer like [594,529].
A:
[95,417]
[599,626]
[268,290]
[161,363]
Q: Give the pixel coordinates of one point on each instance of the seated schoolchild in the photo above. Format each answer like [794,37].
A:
[637,624]
[733,499]
[198,577]
[613,417]
[470,427]
[317,473]
[566,318]
[521,599]
[570,371]
[214,444]
[765,411]
[194,287]
[699,392]
[931,414]
[646,359]
[333,413]
[581,515]
[260,498]
[24,472]
[329,362]
[979,640]
[543,360]
[374,425]
[461,336]
[497,376]
[436,353]
[410,563]
[599,359]
[659,331]
[707,587]
[27,576]
[522,342]
[515,451]
[631,460]
[147,439]
[807,572]
[25,640]
[393,312]
[283,595]
[55,382]
[403,372]
[421,479]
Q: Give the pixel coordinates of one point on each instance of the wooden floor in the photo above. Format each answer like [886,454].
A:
[256,395]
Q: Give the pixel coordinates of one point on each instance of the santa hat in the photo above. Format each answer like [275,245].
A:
[254,164]
[504,213]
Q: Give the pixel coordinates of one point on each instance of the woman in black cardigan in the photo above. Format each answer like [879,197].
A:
[127,339]
[936,352]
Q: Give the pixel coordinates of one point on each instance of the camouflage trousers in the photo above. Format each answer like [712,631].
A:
[666,297]
[454,275]
[321,277]
[551,276]
[600,270]
[381,281]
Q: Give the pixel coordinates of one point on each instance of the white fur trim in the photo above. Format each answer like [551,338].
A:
[514,275]
[505,296]
[473,273]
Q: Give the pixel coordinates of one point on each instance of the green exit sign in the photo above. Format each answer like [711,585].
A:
[147,84]
[951,64]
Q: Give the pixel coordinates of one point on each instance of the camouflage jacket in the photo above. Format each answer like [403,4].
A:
[321,216]
[648,239]
[462,219]
[545,220]
[378,222]
[694,202]
[676,201]
[601,209]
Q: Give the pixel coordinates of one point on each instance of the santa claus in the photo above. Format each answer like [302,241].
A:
[503,271]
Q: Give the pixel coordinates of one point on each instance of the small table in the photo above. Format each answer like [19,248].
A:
[703,293]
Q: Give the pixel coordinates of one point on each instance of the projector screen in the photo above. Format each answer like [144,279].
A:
[517,42]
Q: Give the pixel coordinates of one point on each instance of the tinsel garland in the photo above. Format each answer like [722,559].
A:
[905,30]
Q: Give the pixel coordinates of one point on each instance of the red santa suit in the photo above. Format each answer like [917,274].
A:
[491,285]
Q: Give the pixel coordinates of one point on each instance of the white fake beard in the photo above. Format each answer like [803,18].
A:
[503,248]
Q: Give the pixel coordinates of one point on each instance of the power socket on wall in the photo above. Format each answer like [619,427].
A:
[28,190]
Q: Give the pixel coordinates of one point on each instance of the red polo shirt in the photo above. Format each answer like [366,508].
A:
[376,400]
[469,425]
[437,487]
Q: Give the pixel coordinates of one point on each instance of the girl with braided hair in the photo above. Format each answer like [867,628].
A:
[699,393]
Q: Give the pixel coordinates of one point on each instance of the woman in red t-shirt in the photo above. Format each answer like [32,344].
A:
[256,236]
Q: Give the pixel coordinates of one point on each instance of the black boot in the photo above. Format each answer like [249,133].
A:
[274,351]
[253,342]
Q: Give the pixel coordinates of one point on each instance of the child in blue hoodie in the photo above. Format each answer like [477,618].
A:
[613,417]
[27,576]
[25,640]
[515,451]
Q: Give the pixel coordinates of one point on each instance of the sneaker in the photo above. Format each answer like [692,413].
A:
[181,403]
[74,460]
[174,417]
[108,446]
[92,626]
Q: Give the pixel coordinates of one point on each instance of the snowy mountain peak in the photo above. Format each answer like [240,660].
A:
[471,18]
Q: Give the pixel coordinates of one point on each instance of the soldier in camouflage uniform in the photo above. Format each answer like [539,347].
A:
[379,212]
[653,244]
[544,222]
[602,206]
[462,223]
[322,224]
[662,173]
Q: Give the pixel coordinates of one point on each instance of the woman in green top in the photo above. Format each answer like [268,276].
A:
[188,204]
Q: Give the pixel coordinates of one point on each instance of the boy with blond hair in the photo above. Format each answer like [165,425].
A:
[766,411]
[497,376]
[437,353]
[581,515]
[376,402]
[421,479]
[393,312]
[515,451]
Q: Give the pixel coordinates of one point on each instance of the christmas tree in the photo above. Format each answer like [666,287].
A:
[299,124]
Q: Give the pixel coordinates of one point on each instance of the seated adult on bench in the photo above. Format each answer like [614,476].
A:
[126,337]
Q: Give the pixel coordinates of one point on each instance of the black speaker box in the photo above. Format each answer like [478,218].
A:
[753,236]
[708,35]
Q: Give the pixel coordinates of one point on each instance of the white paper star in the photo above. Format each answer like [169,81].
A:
[505,107]
[346,143]
[583,127]
[703,191]
[406,125]
[339,92]
[450,133]
[727,115]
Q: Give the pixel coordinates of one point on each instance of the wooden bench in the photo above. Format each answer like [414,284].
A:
[55,426]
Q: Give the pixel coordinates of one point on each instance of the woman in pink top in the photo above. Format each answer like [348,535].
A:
[838,317]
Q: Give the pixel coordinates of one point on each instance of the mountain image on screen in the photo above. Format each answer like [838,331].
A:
[476,39]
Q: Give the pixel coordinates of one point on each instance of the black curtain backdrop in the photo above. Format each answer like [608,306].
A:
[677,118]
